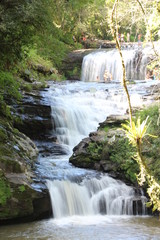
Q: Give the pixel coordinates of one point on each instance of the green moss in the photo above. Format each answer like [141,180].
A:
[10,165]
[3,134]
[122,153]
[27,87]
[18,203]
[5,150]
[106,128]
[24,196]
[22,188]
[5,191]
[95,150]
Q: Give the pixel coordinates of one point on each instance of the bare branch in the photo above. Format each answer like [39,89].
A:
[115,35]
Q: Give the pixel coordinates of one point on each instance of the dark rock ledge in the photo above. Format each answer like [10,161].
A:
[23,195]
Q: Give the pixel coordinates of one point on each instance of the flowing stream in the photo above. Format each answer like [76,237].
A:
[87,204]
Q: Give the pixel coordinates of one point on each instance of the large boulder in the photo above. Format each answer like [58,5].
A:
[107,150]
[21,198]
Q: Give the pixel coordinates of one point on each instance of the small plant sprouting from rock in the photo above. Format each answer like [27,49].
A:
[22,188]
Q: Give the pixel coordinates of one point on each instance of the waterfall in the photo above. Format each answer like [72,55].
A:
[77,110]
[92,197]
[96,63]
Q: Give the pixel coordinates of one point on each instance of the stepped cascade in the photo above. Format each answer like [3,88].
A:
[77,109]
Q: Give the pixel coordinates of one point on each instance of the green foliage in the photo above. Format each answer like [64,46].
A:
[22,188]
[55,50]
[95,149]
[9,92]
[8,86]
[5,191]
[3,134]
[31,24]
[136,134]
[106,128]
[27,87]
[150,146]
[122,154]
[153,113]
[33,58]
[20,21]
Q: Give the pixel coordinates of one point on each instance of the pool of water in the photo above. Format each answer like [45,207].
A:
[86,228]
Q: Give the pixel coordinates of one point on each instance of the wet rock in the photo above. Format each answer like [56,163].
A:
[49,148]
[35,117]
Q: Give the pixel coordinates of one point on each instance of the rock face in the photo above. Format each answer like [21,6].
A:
[106,150]
[35,116]
[73,62]
[20,199]
[23,195]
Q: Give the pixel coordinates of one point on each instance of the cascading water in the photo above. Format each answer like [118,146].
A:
[92,197]
[77,112]
[96,63]
[77,108]
[86,204]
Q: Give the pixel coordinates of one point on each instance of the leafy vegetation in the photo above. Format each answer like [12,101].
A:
[5,191]
[136,134]
[122,154]
[95,150]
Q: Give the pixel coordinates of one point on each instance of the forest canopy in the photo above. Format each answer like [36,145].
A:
[31,23]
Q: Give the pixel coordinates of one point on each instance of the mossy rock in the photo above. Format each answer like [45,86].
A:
[121,153]
[108,152]
[17,156]
[5,190]
[18,204]
[10,165]
[3,134]
[82,161]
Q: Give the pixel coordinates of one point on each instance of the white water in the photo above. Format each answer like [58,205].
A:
[77,108]
[92,197]
[95,64]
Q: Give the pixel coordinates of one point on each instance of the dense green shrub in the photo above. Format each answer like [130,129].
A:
[9,87]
